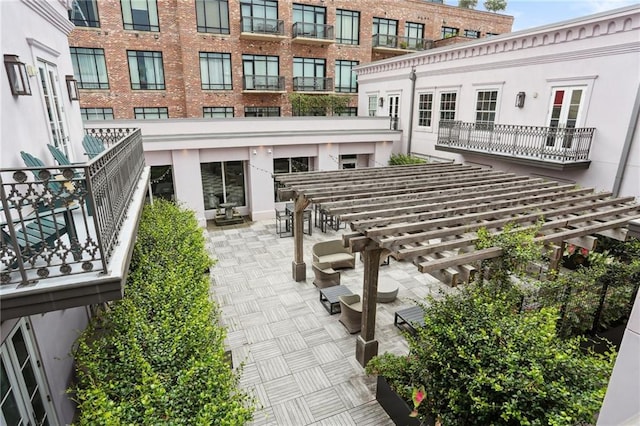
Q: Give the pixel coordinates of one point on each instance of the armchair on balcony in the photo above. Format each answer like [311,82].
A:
[351,312]
[61,192]
[92,146]
[62,159]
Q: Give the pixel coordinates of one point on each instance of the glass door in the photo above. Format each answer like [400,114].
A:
[50,86]
[564,114]
[394,109]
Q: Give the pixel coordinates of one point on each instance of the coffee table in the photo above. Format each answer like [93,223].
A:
[329,297]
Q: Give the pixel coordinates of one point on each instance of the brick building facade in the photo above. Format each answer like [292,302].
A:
[172,44]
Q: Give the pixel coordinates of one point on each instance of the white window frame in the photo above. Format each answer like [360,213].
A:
[372,106]
[429,113]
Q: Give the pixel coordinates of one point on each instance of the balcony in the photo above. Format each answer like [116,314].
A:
[261,29]
[308,33]
[68,232]
[262,84]
[313,84]
[554,148]
[399,45]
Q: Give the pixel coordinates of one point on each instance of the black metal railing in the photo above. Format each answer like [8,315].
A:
[557,144]
[311,30]
[312,84]
[64,220]
[262,25]
[397,42]
[263,83]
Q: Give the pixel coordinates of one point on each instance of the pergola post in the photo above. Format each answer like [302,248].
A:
[366,345]
[298,267]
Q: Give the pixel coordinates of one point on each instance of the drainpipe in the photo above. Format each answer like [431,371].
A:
[626,148]
[412,77]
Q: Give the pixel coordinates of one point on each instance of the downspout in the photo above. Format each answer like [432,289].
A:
[412,77]
[626,148]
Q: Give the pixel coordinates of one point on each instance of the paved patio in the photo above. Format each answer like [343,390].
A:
[299,361]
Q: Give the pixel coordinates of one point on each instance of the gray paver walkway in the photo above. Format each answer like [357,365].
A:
[299,361]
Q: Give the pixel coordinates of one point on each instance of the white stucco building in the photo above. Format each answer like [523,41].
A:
[561,101]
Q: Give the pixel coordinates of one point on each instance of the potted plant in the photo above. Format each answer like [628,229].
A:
[403,45]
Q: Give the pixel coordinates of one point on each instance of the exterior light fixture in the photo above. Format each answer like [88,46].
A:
[520,99]
[72,88]
[17,73]
[381,102]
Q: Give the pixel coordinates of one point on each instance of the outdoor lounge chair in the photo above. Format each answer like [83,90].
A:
[351,312]
[92,146]
[62,192]
[63,160]
[325,276]
[333,253]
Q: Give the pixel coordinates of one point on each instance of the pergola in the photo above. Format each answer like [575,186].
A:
[429,214]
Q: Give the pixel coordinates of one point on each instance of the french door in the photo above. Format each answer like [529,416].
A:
[394,110]
[50,86]
[566,105]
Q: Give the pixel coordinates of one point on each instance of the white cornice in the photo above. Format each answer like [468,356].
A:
[590,27]
[36,43]
[51,14]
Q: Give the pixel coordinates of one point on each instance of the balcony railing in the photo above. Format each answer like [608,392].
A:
[312,84]
[388,41]
[549,144]
[311,30]
[274,27]
[263,83]
[66,220]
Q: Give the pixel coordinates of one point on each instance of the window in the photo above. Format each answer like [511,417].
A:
[309,74]
[486,107]
[162,182]
[259,16]
[425,109]
[347,112]
[146,70]
[385,31]
[491,34]
[84,13]
[215,71]
[347,27]
[141,15]
[345,77]
[446,32]
[150,113]
[261,72]
[348,161]
[373,105]
[309,20]
[222,182]
[566,108]
[212,16]
[96,113]
[24,398]
[217,112]
[262,111]
[90,68]
[414,34]
[472,33]
[291,165]
[448,106]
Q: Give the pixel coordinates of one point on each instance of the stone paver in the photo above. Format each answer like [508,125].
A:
[299,361]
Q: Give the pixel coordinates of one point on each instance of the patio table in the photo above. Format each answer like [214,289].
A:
[329,297]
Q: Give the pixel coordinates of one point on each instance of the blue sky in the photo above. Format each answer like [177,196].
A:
[534,13]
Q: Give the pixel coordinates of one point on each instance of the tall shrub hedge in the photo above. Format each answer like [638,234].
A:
[157,356]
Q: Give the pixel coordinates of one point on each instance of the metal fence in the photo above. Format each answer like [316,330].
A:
[65,220]
[558,144]
[311,30]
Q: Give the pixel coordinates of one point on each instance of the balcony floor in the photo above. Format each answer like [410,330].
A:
[300,361]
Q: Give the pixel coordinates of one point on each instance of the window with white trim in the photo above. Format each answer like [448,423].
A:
[486,103]
[425,109]
[373,105]
[448,106]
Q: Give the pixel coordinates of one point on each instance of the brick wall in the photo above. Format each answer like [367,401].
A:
[180,44]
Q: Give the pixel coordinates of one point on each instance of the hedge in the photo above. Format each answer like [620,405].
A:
[157,356]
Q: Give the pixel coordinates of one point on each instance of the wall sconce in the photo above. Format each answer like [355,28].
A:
[381,102]
[269,151]
[520,99]
[255,152]
[17,73]
[72,88]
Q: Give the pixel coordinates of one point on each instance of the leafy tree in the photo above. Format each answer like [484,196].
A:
[495,5]
[468,4]
[402,159]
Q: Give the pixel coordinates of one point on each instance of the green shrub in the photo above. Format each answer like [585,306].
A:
[157,356]
[402,159]
[481,362]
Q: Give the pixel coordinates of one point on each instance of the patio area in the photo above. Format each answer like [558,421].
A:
[299,361]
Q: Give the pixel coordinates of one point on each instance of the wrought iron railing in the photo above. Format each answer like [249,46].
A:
[557,144]
[311,30]
[66,220]
[263,83]
[397,42]
[312,84]
[262,25]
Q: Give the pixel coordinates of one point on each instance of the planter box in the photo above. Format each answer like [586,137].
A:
[396,407]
